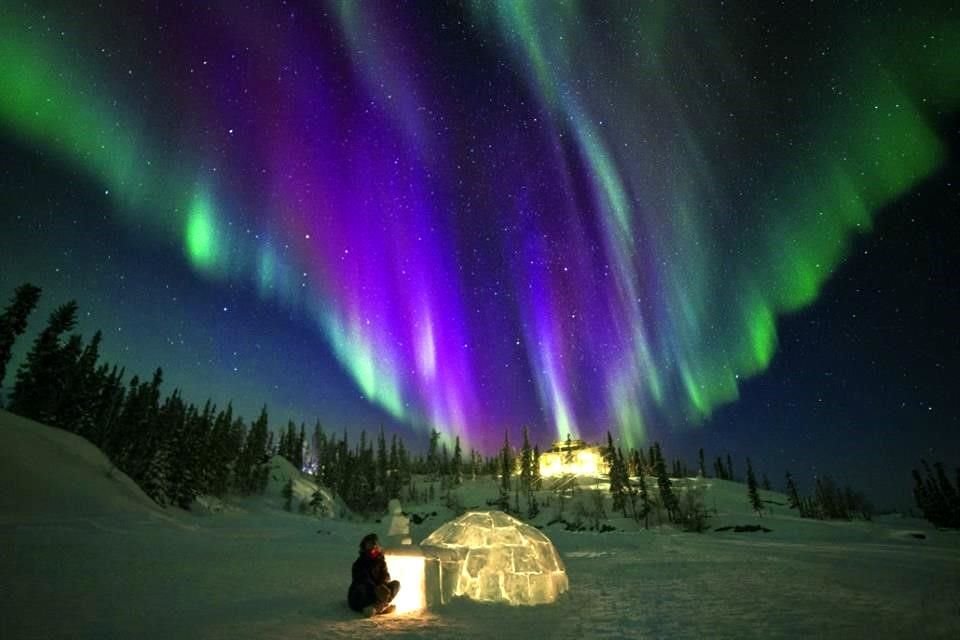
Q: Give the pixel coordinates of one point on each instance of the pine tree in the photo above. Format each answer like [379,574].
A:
[626,488]
[793,496]
[433,454]
[110,399]
[76,411]
[282,446]
[730,468]
[537,478]
[319,444]
[526,463]
[444,460]
[403,463]
[702,469]
[301,446]
[506,469]
[318,504]
[456,464]
[251,468]
[645,506]
[62,407]
[393,473]
[667,497]
[614,474]
[752,492]
[38,384]
[936,497]
[218,454]
[13,322]
[381,465]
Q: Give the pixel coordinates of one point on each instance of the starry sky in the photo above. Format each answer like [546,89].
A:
[730,225]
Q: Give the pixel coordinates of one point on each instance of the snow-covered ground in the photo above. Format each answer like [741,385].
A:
[84,554]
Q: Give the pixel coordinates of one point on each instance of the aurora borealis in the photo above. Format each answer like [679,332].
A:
[578,216]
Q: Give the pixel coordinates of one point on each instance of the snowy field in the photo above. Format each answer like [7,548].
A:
[84,554]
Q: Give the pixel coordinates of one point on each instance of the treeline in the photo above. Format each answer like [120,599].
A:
[172,449]
[829,501]
[175,450]
[937,498]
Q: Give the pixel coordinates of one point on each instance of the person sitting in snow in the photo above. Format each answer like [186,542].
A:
[371,589]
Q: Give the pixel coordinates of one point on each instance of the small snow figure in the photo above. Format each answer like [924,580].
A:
[398,531]
[371,589]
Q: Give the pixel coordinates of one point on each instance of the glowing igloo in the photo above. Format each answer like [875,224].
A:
[492,557]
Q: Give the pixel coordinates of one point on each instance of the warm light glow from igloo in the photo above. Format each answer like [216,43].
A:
[492,557]
[586,462]
[408,569]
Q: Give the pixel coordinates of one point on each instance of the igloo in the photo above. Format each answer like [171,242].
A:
[492,557]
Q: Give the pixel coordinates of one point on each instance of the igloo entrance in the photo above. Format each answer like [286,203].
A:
[492,557]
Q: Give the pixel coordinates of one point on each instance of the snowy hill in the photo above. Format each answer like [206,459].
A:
[86,555]
[50,473]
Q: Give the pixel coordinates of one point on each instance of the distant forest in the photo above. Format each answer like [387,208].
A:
[176,451]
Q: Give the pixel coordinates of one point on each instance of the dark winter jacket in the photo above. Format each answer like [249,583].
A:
[369,570]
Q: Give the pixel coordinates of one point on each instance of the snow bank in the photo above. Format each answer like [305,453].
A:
[50,473]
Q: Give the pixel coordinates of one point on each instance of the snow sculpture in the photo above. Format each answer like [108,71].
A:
[492,557]
[398,525]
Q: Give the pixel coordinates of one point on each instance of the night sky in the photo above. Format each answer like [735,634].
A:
[731,226]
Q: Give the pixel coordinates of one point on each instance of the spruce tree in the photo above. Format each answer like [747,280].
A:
[444,460]
[288,495]
[433,454]
[381,466]
[645,506]
[667,497]
[301,446]
[537,478]
[456,464]
[393,472]
[217,453]
[251,469]
[702,469]
[626,488]
[282,447]
[318,504]
[526,463]
[61,407]
[793,496]
[80,391]
[615,475]
[39,378]
[506,469]
[319,444]
[403,463]
[13,322]
[110,399]
[752,492]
